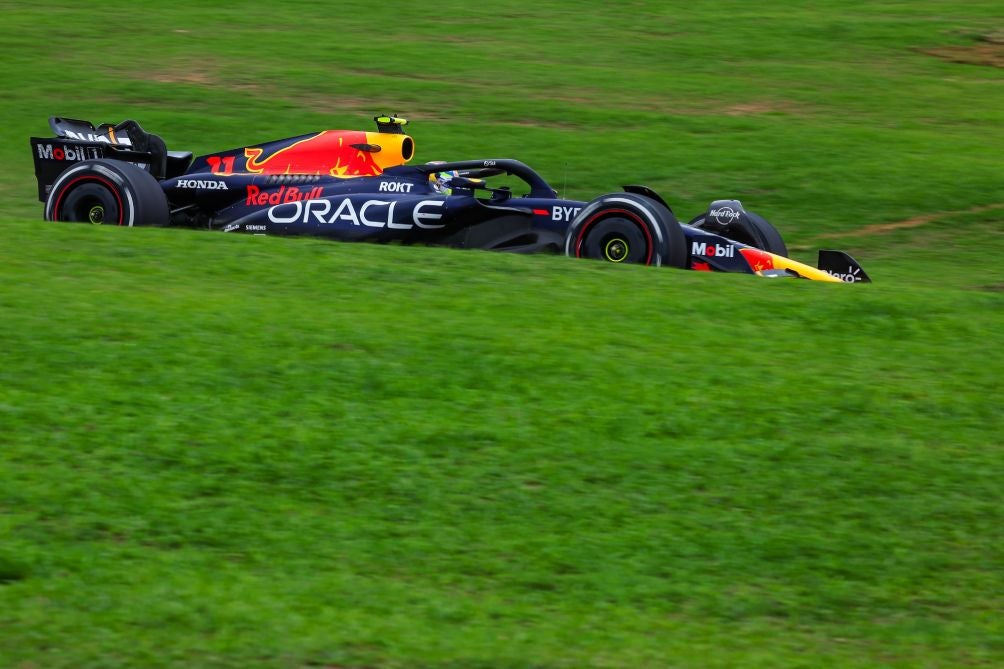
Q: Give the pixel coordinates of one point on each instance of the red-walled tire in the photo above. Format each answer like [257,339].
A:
[107,191]
[627,228]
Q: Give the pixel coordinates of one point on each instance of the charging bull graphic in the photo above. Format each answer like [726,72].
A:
[337,153]
[762,261]
[758,260]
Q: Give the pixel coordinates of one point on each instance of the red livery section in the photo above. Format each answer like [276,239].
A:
[757,259]
[256,196]
[333,153]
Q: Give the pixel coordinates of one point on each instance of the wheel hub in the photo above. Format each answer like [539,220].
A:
[96,214]
[616,249]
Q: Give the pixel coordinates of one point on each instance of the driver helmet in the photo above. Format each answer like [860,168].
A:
[441,181]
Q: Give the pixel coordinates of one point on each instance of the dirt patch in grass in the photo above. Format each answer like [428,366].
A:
[988,50]
[757,108]
[186,74]
[913,222]
[200,74]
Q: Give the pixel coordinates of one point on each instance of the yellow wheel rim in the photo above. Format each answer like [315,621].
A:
[616,249]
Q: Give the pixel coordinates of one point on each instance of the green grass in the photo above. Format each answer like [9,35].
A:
[223,451]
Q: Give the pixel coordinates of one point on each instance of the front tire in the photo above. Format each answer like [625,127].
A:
[750,229]
[627,228]
[107,192]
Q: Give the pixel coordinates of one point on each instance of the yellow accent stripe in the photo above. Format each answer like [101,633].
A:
[803,270]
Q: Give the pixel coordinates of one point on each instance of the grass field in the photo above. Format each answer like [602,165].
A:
[222,451]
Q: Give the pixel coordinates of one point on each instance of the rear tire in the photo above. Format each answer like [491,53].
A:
[107,191]
[627,228]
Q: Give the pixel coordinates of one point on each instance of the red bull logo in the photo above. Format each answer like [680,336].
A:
[758,260]
[761,261]
[285,194]
[337,153]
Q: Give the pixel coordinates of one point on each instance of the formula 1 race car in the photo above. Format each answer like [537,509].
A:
[355,185]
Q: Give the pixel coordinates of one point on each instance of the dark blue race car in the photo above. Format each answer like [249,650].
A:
[357,186]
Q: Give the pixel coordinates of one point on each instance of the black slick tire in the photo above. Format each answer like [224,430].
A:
[627,228]
[107,191]
[750,229]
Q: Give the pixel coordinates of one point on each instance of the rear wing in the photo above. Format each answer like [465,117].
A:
[77,140]
[52,156]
